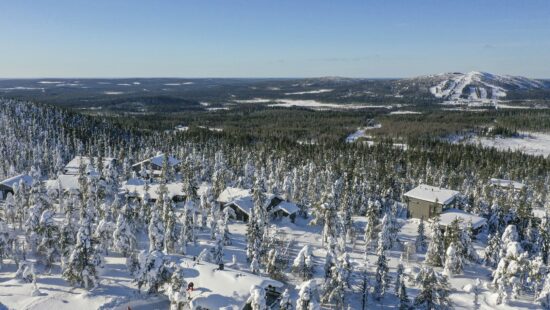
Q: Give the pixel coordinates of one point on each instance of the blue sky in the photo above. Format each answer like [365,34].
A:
[277,38]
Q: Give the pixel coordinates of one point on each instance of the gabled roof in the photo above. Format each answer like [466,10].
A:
[158,160]
[244,203]
[231,193]
[507,183]
[10,182]
[288,207]
[432,194]
[221,289]
[135,186]
[450,215]
[73,166]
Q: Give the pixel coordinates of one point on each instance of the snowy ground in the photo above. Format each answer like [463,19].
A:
[361,133]
[117,291]
[528,143]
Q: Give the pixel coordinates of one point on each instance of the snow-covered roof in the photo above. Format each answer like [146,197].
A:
[231,193]
[245,203]
[450,215]
[135,186]
[432,194]
[158,160]
[221,289]
[507,183]
[74,165]
[69,182]
[10,182]
[288,207]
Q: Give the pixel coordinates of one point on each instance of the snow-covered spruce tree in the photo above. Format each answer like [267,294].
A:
[31,226]
[48,239]
[399,277]
[303,263]
[177,290]
[382,277]
[492,251]
[104,233]
[10,210]
[308,296]
[453,261]
[364,286]
[371,225]
[436,248]
[420,242]
[169,219]
[257,299]
[255,265]
[543,296]
[512,270]
[217,250]
[153,272]
[254,235]
[285,303]
[334,288]
[384,240]
[67,237]
[156,230]
[544,240]
[81,266]
[476,290]
[6,240]
[124,240]
[404,302]
[434,291]
[272,267]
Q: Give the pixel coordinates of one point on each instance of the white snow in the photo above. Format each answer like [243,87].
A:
[449,215]
[217,289]
[361,133]
[507,183]
[288,103]
[11,182]
[133,187]
[113,92]
[404,112]
[432,194]
[318,91]
[532,143]
[231,193]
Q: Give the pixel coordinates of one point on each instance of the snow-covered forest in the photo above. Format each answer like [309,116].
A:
[146,219]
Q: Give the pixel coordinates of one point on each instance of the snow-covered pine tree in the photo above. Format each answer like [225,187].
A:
[124,240]
[308,296]
[177,290]
[303,263]
[156,230]
[257,299]
[48,239]
[420,242]
[434,291]
[453,261]
[285,303]
[104,233]
[153,272]
[81,266]
[404,302]
[436,249]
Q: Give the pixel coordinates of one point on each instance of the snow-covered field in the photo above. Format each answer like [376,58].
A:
[361,133]
[399,112]
[314,104]
[529,143]
[318,91]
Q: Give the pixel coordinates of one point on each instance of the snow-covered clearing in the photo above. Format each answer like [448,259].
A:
[529,143]
[318,91]
[314,104]
[404,112]
[361,133]
[113,92]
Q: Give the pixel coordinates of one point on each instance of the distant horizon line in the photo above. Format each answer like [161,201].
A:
[252,77]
